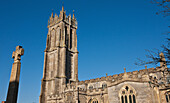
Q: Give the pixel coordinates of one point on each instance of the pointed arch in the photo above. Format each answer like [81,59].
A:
[52,33]
[94,100]
[58,35]
[104,85]
[127,94]
[167,96]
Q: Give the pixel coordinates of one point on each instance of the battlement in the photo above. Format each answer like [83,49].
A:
[54,19]
[120,76]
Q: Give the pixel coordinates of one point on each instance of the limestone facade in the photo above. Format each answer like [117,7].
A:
[60,82]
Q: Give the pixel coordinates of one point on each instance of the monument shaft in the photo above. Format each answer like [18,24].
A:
[15,75]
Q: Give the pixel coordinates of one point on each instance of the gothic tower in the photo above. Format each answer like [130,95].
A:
[60,57]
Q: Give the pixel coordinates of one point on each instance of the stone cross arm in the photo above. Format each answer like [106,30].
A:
[17,53]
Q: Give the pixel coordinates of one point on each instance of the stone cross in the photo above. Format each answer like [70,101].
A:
[15,74]
[17,53]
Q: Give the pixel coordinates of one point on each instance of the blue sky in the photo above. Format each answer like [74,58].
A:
[111,35]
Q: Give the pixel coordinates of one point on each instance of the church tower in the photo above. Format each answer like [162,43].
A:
[60,57]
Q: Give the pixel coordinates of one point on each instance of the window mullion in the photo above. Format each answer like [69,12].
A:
[128,98]
[124,98]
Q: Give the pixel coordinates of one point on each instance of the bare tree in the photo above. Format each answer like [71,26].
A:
[164,6]
[154,55]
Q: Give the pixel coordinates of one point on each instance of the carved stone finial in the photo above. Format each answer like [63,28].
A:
[18,53]
[162,60]
[56,15]
[145,66]
[106,74]
[124,69]
[73,15]
[63,8]
[52,15]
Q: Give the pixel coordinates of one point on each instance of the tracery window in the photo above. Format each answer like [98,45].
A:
[127,94]
[93,101]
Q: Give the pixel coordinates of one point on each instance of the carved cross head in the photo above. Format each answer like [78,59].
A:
[17,53]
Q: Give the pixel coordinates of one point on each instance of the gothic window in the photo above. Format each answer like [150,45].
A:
[134,100]
[61,35]
[126,99]
[66,40]
[168,79]
[127,95]
[93,101]
[130,98]
[52,38]
[58,36]
[90,87]
[122,98]
[104,85]
[167,96]
[69,98]
[70,38]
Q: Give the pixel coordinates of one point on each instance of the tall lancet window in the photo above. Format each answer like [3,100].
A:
[71,38]
[58,34]
[66,40]
[52,38]
[167,96]
[127,94]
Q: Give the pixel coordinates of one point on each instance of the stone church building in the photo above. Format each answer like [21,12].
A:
[60,82]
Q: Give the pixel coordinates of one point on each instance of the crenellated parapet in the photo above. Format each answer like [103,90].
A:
[144,75]
[55,19]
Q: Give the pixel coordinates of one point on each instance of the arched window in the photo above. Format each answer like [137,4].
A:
[90,87]
[53,38]
[167,96]
[93,101]
[127,94]
[104,85]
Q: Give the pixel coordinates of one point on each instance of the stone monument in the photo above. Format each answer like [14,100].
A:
[15,74]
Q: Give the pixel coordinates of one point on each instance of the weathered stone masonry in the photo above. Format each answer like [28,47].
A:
[60,75]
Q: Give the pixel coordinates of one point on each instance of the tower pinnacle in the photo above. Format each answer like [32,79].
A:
[124,70]
[52,15]
[73,15]
[162,60]
[62,8]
